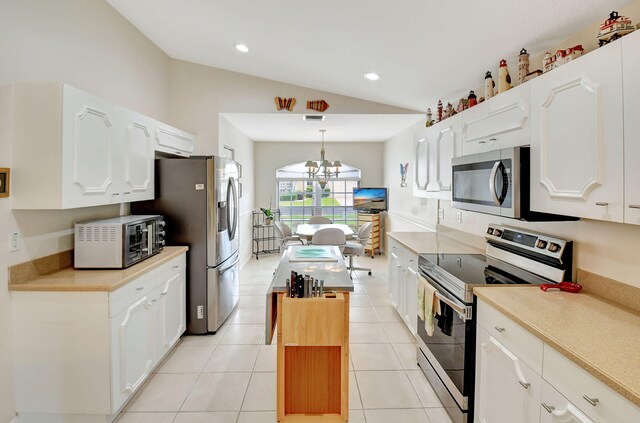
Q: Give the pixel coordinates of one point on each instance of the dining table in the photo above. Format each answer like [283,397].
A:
[307,230]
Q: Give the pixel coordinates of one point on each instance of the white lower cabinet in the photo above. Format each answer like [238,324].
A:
[94,349]
[508,390]
[403,283]
[557,409]
[513,386]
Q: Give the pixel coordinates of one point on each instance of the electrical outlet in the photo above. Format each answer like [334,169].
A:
[14,241]
[459,217]
[440,213]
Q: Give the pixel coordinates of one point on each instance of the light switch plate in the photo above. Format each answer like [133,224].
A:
[440,213]
[459,214]
[14,241]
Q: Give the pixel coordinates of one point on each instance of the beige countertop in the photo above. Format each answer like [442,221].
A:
[600,336]
[71,279]
[432,242]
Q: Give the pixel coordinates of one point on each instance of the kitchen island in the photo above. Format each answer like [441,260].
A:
[313,341]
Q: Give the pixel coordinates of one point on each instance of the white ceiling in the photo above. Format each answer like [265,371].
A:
[340,127]
[424,49]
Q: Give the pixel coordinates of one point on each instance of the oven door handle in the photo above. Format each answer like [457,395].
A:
[492,183]
[463,311]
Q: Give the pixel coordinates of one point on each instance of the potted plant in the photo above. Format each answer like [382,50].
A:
[268,216]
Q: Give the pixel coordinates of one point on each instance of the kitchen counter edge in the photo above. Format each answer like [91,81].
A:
[80,280]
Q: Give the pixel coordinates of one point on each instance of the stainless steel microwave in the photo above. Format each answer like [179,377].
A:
[496,182]
[119,242]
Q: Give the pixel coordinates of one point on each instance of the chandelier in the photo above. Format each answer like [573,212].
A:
[324,170]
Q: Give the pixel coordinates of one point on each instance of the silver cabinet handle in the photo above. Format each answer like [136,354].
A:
[525,385]
[481,142]
[139,289]
[154,301]
[592,401]
[163,293]
[549,408]
[493,139]
[175,267]
[499,329]
[127,193]
[116,193]
[634,206]
[602,204]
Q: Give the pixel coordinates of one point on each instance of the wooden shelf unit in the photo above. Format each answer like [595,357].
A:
[313,359]
[374,239]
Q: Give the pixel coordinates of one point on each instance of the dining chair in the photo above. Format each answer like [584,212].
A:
[315,220]
[284,235]
[330,236]
[356,248]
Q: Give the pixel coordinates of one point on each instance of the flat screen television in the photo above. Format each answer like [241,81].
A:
[370,199]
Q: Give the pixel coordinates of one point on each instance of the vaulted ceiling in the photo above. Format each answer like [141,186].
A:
[424,49]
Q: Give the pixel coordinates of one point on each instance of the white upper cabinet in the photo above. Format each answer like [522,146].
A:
[631,86]
[577,138]
[432,169]
[500,122]
[173,141]
[72,149]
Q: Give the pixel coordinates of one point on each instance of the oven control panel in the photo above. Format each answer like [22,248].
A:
[529,241]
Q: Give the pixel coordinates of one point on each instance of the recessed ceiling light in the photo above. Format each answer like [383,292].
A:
[242,48]
[371,76]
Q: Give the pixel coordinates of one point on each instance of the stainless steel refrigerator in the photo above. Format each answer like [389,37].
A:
[198,197]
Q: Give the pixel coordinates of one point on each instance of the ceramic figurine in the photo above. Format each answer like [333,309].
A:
[552,61]
[614,27]
[450,110]
[403,174]
[472,98]
[504,79]
[460,105]
[489,85]
[532,75]
[481,100]
[430,120]
[439,110]
[523,65]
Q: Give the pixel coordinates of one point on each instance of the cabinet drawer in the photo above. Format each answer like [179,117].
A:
[523,344]
[575,384]
[123,297]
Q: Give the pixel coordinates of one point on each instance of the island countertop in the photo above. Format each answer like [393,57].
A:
[334,273]
[598,335]
[105,280]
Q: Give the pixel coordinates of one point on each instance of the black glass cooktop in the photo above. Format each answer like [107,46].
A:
[460,272]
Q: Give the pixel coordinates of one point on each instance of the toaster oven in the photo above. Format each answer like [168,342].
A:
[119,242]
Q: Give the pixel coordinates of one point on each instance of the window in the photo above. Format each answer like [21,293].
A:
[299,197]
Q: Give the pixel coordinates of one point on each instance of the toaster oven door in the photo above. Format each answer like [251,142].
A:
[136,245]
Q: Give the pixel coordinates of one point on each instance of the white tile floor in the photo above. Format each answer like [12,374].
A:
[230,377]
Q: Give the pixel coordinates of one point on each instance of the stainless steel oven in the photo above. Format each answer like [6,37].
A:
[512,256]
[119,242]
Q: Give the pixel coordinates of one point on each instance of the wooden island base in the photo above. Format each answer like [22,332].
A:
[313,358]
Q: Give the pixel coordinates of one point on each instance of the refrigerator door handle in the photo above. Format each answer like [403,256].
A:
[221,271]
[232,192]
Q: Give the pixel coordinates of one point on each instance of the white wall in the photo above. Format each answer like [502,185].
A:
[199,93]
[244,154]
[84,43]
[406,212]
[366,156]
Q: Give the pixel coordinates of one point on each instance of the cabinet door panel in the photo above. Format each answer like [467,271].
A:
[173,316]
[576,144]
[139,154]
[631,84]
[507,390]
[173,141]
[394,279]
[422,171]
[89,150]
[411,298]
[135,358]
